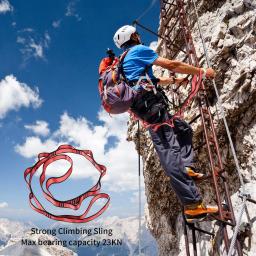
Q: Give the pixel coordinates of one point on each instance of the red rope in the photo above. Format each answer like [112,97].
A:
[45,159]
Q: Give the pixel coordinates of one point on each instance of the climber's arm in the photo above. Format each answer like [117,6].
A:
[181,67]
[171,80]
[166,80]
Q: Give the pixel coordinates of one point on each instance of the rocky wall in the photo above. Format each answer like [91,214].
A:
[229,28]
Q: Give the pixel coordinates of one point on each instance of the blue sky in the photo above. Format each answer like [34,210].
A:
[50,51]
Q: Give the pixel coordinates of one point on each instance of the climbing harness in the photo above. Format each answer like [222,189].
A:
[45,159]
[195,86]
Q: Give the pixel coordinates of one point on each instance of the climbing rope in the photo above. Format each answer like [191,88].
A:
[139,183]
[138,122]
[44,160]
[243,194]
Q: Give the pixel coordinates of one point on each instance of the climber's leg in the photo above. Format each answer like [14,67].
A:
[184,133]
[169,152]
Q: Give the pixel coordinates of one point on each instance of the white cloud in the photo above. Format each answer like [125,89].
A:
[116,125]
[26,30]
[5,6]
[14,95]
[135,197]
[71,10]
[20,40]
[56,23]
[9,212]
[32,44]
[38,49]
[47,39]
[33,146]
[120,158]
[40,128]
[3,205]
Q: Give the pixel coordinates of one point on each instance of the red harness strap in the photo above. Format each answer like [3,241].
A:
[195,86]
[45,159]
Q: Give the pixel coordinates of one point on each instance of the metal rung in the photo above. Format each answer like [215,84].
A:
[223,221]
[251,200]
[166,2]
[178,86]
[194,119]
[169,18]
[183,60]
[200,230]
[177,47]
[173,26]
[174,38]
[167,10]
[171,3]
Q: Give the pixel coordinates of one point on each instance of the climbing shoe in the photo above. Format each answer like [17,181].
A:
[195,175]
[198,212]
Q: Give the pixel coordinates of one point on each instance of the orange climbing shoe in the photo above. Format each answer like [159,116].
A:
[198,212]
[195,175]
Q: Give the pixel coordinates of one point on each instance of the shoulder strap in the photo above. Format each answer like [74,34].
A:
[120,66]
[121,70]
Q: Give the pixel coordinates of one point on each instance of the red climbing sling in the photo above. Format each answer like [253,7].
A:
[45,159]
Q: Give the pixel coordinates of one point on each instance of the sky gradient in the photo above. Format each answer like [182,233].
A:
[50,51]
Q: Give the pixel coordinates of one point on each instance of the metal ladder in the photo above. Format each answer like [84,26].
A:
[176,39]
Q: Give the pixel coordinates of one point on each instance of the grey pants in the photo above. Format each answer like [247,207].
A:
[174,148]
[173,145]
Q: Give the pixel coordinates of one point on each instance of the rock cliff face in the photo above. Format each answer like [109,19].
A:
[229,28]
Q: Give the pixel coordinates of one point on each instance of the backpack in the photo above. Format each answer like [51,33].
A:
[115,92]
